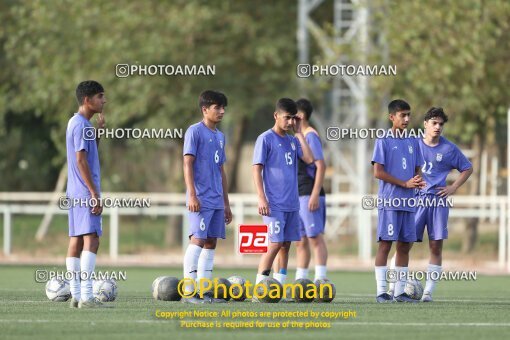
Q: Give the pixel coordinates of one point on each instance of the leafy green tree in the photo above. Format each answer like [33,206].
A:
[48,47]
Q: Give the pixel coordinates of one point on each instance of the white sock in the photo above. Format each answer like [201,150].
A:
[392,267]
[87,264]
[380,278]
[301,273]
[431,284]
[280,278]
[260,277]
[320,272]
[190,266]
[73,266]
[401,280]
[205,266]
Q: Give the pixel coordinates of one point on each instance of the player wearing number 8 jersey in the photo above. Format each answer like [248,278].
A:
[206,195]
[397,164]
[275,161]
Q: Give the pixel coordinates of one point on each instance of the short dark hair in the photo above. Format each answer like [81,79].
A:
[398,105]
[87,88]
[305,106]
[434,112]
[286,105]
[210,97]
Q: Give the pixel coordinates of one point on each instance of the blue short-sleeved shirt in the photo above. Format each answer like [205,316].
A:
[438,161]
[400,157]
[279,157]
[208,148]
[75,142]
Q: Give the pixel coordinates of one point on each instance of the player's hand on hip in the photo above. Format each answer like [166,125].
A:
[228,214]
[313,203]
[446,191]
[194,204]
[264,207]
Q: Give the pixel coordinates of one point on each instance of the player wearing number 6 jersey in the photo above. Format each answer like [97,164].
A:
[440,156]
[275,165]
[206,195]
[396,164]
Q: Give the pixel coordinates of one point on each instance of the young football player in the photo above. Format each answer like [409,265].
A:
[440,156]
[312,201]
[275,163]
[207,196]
[396,162]
[84,185]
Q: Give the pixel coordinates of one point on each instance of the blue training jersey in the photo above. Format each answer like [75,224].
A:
[279,157]
[400,157]
[77,140]
[208,148]
[438,161]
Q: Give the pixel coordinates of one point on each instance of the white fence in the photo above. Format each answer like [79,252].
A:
[341,208]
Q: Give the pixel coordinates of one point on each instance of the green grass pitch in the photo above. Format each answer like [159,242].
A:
[462,310]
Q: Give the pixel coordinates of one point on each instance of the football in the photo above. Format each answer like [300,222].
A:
[414,289]
[221,292]
[165,288]
[104,290]
[326,290]
[272,293]
[58,290]
[238,288]
[303,291]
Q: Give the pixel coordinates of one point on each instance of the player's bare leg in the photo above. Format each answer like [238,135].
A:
[73,265]
[436,252]
[434,269]
[381,259]
[321,256]
[282,263]
[75,246]
[266,260]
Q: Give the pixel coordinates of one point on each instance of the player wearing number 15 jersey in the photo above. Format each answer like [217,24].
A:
[206,195]
[397,163]
[275,162]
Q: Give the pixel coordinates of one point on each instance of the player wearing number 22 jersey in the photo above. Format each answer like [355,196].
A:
[440,156]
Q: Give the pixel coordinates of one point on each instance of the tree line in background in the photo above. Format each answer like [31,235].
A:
[452,54]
